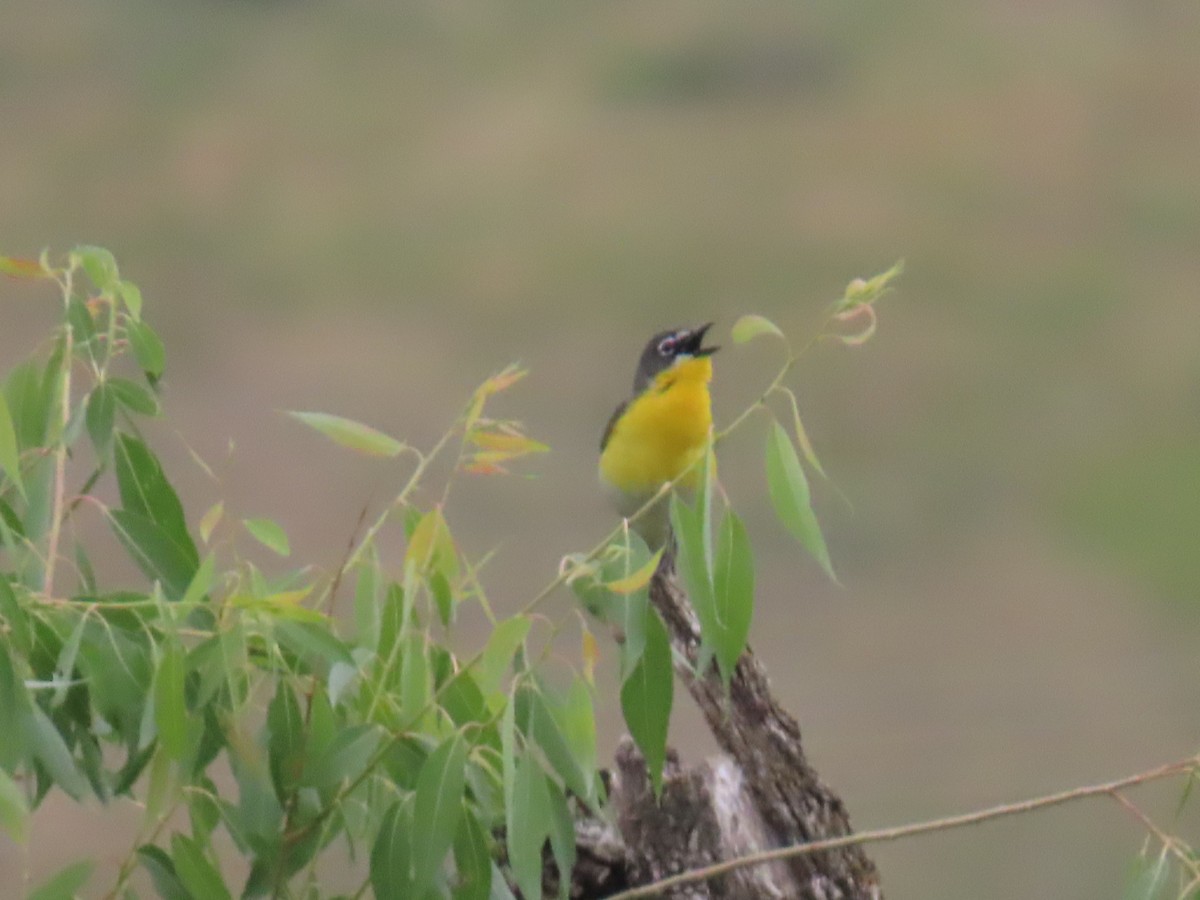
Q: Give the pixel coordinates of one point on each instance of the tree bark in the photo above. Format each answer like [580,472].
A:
[761,793]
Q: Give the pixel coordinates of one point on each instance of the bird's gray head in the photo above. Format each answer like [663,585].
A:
[667,348]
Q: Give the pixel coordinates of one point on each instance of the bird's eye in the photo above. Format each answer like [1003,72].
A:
[666,347]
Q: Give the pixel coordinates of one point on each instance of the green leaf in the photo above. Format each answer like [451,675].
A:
[323,725]
[92,764]
[215,659]
[366,604]
[576,716]
[52,752]
[412,518]
[392,854]
[132,295]
[83,326]
[640,578]
[528,822]
[134,397]
[162,786]
[391,621]
[1149,878]
[198,873]
[693,563]
[628,613]
[285,741]
[497,656]
[64,666]
[403,760]
[269,534]
[349,433]
[170,706]
[791,498]
[210,520]
[416,682]
[543,727]
[272,866]
[14,812]
[704,505]
[647,695]
[15,623]
[11,525]
[472,859]
[485,784]
[201,582]
[508,752]
[147,347]
[751,326]
[733,593]
[806,447]
[562,835]
[145,490]
[443,598]
[258,814]
[39,488]
[342,677]
[66,884]
[308,640]
[160,557]
[100,417]
[100,265]
[500,888]
[162,873]
[632,621]
[17,706]
[31,400]
[431,548]
[10,456]
[346,757]
[462,700]
[119,669]
[438,807]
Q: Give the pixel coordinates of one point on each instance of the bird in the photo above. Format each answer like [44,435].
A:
[661,432]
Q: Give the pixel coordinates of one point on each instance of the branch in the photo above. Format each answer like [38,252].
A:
[911,830]
[763,740]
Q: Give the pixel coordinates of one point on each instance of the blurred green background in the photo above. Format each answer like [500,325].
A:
[366,208]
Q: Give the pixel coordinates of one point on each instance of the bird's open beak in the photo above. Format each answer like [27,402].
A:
[692,344]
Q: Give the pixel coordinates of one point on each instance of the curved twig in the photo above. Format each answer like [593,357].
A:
[902,831]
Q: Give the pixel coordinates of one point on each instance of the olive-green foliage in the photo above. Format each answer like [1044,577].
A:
[377,736]
[443,775]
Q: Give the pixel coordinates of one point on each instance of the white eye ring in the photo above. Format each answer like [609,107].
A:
[666,347]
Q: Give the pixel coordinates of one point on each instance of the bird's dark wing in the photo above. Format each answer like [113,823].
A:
[608,429]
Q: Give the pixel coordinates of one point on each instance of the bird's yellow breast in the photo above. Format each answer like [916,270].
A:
[662,432]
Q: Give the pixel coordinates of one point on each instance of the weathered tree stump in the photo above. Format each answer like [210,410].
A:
[761,793]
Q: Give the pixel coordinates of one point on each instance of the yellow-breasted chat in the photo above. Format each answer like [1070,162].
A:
[660,433]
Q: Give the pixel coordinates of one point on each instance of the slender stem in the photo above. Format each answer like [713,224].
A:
[129,863]
[761,401]
[60,465]
[780,376]
[398,501]
[902,831]
[85,488]
[362,889]
[331,600]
